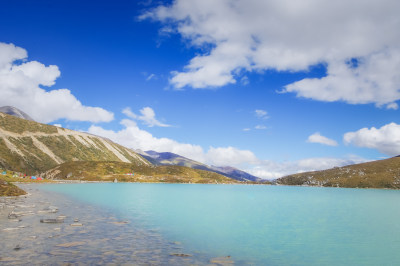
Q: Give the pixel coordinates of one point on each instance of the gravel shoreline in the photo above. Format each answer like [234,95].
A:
[45,228]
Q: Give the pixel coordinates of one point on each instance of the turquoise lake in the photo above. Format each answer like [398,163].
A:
[259,225]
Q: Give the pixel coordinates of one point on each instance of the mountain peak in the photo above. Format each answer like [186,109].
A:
[10,110]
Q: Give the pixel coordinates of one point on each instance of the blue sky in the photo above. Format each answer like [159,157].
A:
[264,87]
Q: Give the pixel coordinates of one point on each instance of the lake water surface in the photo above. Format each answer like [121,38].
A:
[258,225]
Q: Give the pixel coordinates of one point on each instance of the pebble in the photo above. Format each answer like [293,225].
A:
[76,224]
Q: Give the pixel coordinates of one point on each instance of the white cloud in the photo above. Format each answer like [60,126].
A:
[253,35]
[375,80]
[261,114]
[150,77]
[260,127]
[148,117]
[385,139]
[223,156]
[20,86]
[318,138]
[246,129]
[57,125]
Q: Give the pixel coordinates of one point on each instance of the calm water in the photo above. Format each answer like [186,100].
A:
[259,225]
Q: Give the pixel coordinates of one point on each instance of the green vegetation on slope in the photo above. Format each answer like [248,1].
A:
[376,174]
[108,171]
[30,147]
[19,125]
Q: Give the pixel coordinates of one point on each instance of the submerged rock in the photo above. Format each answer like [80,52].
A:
[180,255]
[12,216]
[52,221]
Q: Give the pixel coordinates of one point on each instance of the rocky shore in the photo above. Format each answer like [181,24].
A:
[45,228]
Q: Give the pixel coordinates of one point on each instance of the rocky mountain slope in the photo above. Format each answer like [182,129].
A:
[127,172]
[15,112]
[169,158]
[376,174]
[237,174]
[31,147]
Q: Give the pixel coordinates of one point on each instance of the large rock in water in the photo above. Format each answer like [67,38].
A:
[10,110]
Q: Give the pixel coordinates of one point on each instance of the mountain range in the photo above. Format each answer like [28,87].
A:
[169,158]
[33,148]
[54,152]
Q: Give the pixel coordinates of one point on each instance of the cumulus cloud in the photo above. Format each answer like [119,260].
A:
[20,86]
[356,40]
[223,156]
[148,116]
[375,80]
[385,139]
[318,138]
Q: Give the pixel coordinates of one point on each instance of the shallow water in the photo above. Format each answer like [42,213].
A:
[255,225]
[105,236]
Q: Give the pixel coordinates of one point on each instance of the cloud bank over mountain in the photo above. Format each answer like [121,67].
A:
[133,137]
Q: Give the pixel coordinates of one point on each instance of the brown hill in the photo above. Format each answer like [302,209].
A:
[375,174]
